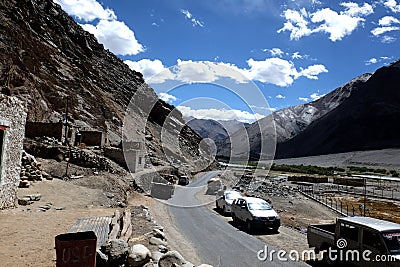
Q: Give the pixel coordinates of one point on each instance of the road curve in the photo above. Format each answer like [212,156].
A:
[217,242]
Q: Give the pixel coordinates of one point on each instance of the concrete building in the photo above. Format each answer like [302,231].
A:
[12,128]
[131,156]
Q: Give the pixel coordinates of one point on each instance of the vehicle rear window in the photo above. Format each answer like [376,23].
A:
[349,232]
[232,195]
[259,206]
[392,241]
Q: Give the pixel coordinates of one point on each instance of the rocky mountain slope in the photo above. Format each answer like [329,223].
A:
[47,58]
[214,129]
[367,119]
[287,123]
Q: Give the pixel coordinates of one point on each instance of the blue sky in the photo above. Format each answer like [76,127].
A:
[241,59]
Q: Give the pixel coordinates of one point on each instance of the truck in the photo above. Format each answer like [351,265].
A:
[363,241]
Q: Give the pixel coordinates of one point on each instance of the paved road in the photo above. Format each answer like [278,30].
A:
[217,242]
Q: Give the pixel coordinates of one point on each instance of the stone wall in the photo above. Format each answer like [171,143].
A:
[12,117]
[132,159]
[40,129]
[93,138]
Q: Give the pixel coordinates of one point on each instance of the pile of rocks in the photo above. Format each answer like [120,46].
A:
[31,171]
[48,140]
[88,159]
[123,250]
[271,186]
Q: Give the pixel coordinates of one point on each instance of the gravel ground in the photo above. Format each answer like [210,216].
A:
[385,158]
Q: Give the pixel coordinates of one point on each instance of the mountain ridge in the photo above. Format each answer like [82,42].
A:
[47,58]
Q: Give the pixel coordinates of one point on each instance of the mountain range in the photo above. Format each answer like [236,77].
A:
[362,114]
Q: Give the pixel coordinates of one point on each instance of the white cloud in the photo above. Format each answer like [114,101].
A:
[153,70]
[206,71]
[167,97]
[115,36]
[296,55]
[388,21]
[392,5]
[337,25]
[353,9]
[371,61]
[264,109]
[220,114]
[312,72]
[377,60]
[87,10]
[388,39]
[280,96]
[316,96]
[382,30]
[296,23]
[189,16]
[386,25]
[313,97]
[271,70]
[276,52]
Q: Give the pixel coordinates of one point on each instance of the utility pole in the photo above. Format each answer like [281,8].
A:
[66,139]
[365,195]
[66,123]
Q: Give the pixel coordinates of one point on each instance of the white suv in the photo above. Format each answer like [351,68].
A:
[225,199]
[255,213]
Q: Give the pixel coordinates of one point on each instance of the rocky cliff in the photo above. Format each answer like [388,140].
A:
[287,123]
[367,119]
[47,58]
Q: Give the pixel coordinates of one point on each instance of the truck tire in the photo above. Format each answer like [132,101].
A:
[275,229]
[328,261]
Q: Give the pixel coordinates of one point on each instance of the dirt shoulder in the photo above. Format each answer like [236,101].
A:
[28,233]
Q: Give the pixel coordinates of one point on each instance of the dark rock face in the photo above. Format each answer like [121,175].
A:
[368,119]
[208,128]
[287,123]
[363,114]
[47,58]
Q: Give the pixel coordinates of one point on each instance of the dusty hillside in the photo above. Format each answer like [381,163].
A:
[287,123]
[367,120]
[47,58]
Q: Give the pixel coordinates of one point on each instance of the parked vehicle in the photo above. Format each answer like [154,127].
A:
[183,180]
[168,177]
[255,213]
[225,199]
[358,234]
[213,186]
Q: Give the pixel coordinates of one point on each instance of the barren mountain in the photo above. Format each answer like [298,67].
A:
[368,119]
[214,129]
[47,58]
[287,123]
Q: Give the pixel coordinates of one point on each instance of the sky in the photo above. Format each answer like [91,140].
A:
[243,59]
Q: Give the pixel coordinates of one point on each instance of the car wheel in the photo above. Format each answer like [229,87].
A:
[235,219]
[275,229]
[249,226]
